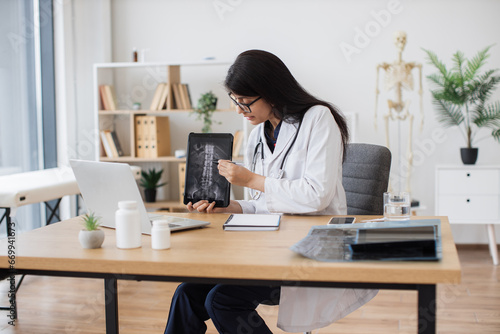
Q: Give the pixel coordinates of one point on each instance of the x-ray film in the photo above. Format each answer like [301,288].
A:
[203,181]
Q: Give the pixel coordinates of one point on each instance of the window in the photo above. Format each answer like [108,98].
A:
[27,115]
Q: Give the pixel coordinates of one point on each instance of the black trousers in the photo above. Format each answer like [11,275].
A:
[231,308]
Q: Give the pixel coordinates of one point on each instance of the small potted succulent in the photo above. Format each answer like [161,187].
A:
[150,180]
[205,108]
[91,236]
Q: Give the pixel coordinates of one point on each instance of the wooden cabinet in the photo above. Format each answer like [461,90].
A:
[470,195]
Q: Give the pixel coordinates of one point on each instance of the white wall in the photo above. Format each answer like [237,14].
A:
[307,36]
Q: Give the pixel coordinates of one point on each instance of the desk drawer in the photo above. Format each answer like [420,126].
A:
[469,182]
[474,208]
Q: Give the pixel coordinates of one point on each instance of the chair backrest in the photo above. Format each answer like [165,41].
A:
[365,176]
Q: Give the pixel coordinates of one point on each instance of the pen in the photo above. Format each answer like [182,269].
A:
[216,161]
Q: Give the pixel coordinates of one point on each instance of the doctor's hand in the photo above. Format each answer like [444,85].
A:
[240,176]
[205,206]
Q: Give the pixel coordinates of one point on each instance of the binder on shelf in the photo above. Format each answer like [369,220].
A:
[139,136]
[253,222]
[157,96]
[158,136]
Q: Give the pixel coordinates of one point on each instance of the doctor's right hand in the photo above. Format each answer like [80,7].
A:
[205,206]
[240,176]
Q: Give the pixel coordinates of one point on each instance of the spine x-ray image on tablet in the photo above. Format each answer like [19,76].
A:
[203,181]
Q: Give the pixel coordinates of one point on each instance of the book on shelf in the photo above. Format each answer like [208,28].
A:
[157,96]
[110,97]
[104,99]
[177,101]
[106,144]
[182,181]
[237,143]
[111,143]
[252,222]
[162,104]
[117,144]
[186,97]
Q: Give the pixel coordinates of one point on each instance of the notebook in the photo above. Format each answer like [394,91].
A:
[104,184]
[251,222]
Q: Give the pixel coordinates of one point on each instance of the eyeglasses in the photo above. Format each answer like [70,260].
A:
[243,106]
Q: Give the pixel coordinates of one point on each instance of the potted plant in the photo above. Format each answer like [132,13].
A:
[150,181]
[91,236]
[205,109]
[461,96]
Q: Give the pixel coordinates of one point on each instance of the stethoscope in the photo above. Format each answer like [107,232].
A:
[259,150]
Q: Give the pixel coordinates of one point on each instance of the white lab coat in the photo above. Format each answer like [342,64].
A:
[311,184]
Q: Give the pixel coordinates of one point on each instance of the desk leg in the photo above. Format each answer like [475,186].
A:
[427,307]
[111,301]
[493,243]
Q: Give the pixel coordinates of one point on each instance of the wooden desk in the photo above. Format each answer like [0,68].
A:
[211,255]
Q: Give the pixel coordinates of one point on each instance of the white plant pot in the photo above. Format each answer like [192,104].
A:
[91,239]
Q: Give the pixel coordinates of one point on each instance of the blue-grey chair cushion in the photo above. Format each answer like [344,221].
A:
[365,177]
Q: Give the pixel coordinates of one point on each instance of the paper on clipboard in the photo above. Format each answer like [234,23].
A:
[252,222]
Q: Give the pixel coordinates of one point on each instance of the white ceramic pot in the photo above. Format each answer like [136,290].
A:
[91,239]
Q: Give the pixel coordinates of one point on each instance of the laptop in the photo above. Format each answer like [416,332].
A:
[104,184]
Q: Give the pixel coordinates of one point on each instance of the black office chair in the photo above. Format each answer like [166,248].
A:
[365,177]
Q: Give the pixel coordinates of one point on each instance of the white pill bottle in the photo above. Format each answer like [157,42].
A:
[128,225]
[160,234]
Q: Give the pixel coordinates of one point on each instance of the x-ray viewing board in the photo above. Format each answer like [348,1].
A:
[203,181]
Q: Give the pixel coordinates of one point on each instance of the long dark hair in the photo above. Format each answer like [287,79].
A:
[260,73]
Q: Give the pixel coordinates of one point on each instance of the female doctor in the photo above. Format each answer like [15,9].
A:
[295,154]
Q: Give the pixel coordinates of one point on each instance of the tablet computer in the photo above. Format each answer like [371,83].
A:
[203,181]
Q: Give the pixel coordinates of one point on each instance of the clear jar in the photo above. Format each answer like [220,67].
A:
[160,234]
[128,225]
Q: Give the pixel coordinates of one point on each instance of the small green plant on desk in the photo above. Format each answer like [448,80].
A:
[91,236]
[150,180]
[205,110]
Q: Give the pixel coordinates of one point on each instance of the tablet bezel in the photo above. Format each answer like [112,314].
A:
[196,138]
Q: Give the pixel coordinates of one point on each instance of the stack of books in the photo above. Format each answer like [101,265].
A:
[171,96]
[111,144]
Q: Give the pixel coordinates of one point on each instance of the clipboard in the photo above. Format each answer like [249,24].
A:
[203,181]
[252,222]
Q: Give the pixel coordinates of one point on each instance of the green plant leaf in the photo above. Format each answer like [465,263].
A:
[448,113]
[433,59]
[476,63]
[91,222]
[489,116]
[150,179]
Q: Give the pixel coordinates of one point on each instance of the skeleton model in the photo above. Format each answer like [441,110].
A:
[398,77]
